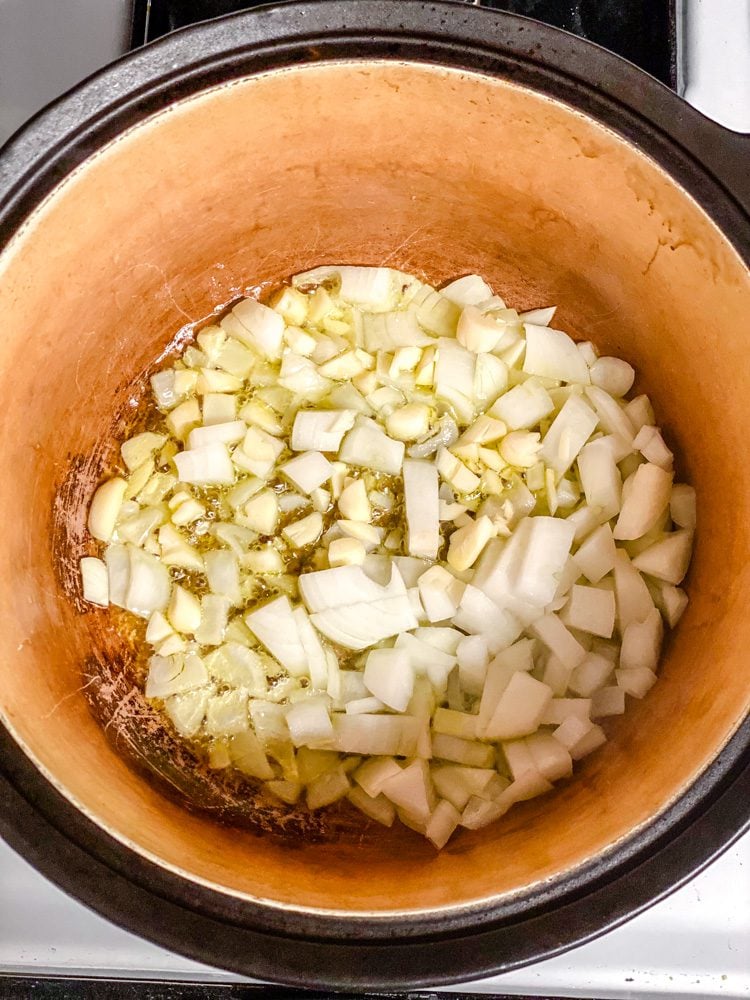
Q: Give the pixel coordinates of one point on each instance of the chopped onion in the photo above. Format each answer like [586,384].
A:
[470,290]
[307,472]
[209,465]
[552,354]
[274,624]
[260,327]
[496,590]
[366,446]
[320,430]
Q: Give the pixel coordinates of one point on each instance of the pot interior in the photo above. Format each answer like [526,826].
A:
[434,171]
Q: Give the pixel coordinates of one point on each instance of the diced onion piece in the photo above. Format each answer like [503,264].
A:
[524,406]
[366,446]
[613,375]
[425,660]
[478,615]
[651,445]
[640,412]
[357,626]
[300,375]
[422,510]
[442,823]
[373,774]
[158,628]
[376,735]
[140,448]
[455,723]
[671,601]
[389,677]
[261,327]
[261,512]
[612,417]
[440,593]
[247,750]
[223,574]
[682,506]
[641,643]
[635,681]
[471,290]
[479,332]
[370,535]
[457,783]
[468,752]
[320,430]
[305,531]
[332,588]
[309,723]
[607,701]
[367,286]
[380,808]
[600,477]
[454,370]
[104,508]
[549,756]
[539,317]
[308,471]
[174,675]
[209,465]
[275,626]
[213,380]
[435,311]
[183,418]
[520,708]
[569,432]
[552,354]
[578,737]
[597,555]
[634,603]
[559,640]
[176,551]
[473,658]
[187,711]
[228,433]
[219,408]
[592,673]
[667,559]
[590,609]
[411,790]
[644,503]
[214,618]
[149,584]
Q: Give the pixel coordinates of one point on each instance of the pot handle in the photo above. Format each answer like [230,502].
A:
[714,78]
[722,150]
[726,154]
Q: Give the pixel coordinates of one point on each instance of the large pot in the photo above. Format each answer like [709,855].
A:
[443,139]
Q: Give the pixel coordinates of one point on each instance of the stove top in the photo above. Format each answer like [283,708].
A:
[696,943]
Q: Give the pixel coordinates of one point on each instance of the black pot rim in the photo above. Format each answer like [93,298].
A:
[487,937]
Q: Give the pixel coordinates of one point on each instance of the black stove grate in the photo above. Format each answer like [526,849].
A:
[643,31]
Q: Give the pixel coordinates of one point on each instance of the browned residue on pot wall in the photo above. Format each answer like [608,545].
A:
[433,172]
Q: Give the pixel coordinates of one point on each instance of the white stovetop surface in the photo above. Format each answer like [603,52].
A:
[695,943]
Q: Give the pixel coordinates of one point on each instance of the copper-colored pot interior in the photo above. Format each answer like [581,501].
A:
[433,171]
